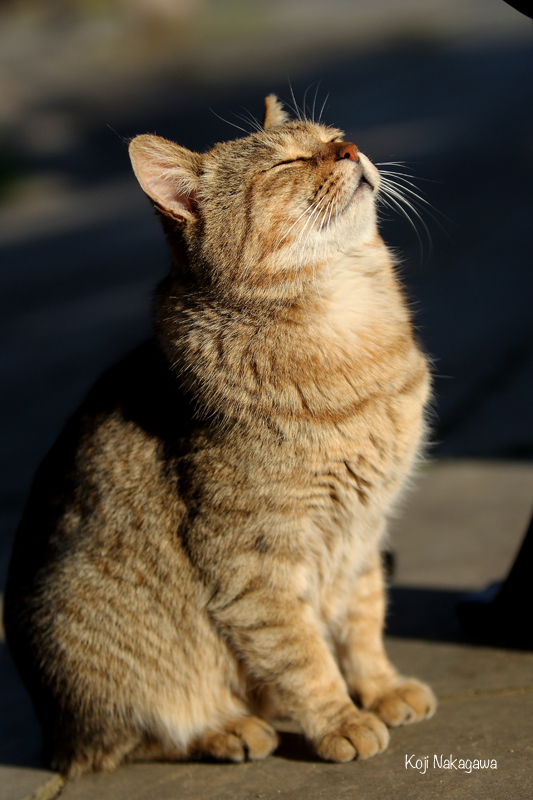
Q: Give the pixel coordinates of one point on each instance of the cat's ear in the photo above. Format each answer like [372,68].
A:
[275,114]
[168,174]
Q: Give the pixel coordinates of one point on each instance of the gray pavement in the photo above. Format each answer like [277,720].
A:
[459,530]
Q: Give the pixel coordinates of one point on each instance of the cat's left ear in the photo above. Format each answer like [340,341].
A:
[168,173]
[275,114]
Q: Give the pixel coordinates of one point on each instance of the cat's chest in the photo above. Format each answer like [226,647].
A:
[345,508]
[344,491]
[336,545]
[361,461]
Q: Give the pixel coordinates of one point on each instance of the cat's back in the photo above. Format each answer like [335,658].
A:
[105,497]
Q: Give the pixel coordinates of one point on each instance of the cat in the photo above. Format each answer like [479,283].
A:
[200,552]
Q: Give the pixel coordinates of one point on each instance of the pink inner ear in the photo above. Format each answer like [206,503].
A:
[172,198]
[187,200]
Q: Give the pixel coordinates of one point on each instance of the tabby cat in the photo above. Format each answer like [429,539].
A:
[201,547]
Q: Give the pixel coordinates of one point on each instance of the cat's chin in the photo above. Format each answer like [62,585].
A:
[358,212]
[357,194]
[364,187]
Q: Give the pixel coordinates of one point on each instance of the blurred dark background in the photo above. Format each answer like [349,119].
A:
[446,87]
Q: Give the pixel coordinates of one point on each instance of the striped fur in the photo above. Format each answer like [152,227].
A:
[201,546]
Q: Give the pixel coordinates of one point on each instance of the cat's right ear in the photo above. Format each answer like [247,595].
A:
[168,173]
[275,114]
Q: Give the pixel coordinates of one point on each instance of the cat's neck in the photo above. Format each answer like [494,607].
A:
[344,335]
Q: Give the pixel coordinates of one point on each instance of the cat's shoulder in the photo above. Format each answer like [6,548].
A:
[137,404]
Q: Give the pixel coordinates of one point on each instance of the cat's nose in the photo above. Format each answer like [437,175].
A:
[346,150]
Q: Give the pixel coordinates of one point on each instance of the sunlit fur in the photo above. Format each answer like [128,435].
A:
[201,548]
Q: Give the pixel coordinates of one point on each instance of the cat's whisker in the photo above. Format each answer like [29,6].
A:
[401,182]
[285,234]
[401,188]
[295,104]
[303,237]
[398,192]
[394,203]
[251,127]
[392,164]
[315,248]
[398,176]
[314,103]
[393,188]
[300,241]
[404,177]
[304,212]
[393,194]
[333,199]
[297,245]
[333,202]
[322,215]
[304,104]
[251,119]
[313,211]
[312,218]
[229,123]
[322,109]
[335,216]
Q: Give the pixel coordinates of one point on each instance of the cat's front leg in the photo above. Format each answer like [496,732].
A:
[371,678]
[276,634]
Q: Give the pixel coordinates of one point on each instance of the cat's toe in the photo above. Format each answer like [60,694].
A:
[243,737]
[222,746]
[363,736]
[259,738]
[410,701]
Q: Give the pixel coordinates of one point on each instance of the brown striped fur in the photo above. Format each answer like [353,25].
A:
[201,547]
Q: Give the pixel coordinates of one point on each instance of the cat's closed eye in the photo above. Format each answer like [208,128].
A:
[300,160]
[288,162]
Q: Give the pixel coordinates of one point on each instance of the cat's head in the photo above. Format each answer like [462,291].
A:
[262,212]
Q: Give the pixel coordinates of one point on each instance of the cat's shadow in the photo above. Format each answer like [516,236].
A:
[424,613]
[294,747]
[20,734]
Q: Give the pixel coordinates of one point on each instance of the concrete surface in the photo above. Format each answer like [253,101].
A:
[28,783]
[465,728]
[474,513]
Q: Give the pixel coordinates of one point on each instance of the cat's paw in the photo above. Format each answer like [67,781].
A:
[246,737]
[410,701]
[362,735]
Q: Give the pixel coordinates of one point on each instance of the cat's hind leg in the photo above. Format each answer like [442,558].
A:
[234,736]
[241,738]
[76,753]
[188,705]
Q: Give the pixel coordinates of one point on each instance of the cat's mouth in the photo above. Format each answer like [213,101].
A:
[364,182]
[363,185]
